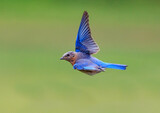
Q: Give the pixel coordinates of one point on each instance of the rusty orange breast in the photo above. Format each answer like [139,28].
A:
[73,59]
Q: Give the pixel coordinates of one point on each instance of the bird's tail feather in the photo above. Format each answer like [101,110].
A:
[115,66]
[108,65]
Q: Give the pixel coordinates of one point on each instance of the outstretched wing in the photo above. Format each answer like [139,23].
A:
[85,42]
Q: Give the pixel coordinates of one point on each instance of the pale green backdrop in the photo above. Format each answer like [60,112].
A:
[34,34]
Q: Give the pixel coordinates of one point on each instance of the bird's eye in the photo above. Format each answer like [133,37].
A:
[67,54]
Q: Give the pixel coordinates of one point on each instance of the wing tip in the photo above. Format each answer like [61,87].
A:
[85,13]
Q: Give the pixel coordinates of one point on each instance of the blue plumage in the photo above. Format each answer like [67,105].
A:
[108,65]
[85,47]
[85,42]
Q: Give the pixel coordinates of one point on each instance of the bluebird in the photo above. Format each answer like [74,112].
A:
[82,59]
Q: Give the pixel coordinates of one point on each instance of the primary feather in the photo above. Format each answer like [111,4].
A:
[85,42]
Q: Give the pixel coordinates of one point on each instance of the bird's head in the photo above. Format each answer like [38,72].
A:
[70,57]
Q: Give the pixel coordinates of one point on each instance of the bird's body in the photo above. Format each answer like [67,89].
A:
[82,58]
[84,63]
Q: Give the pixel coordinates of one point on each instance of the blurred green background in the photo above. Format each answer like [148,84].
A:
[34,34]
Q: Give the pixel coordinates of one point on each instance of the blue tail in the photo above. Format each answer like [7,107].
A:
[115,66]
[108,65]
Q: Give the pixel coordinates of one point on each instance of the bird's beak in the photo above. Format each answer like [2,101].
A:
[61,58]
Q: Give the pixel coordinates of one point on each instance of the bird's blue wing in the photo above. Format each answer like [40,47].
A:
[91,68]
[84,41]
[81,67]
[84,64]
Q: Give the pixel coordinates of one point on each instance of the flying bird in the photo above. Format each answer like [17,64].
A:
[85,46]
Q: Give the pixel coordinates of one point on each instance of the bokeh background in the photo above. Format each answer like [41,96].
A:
[34,34]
